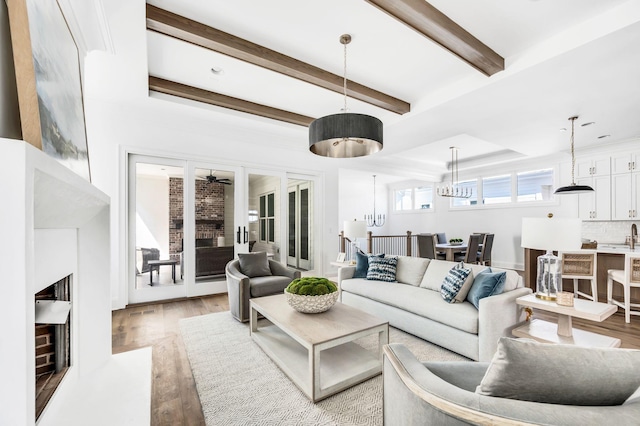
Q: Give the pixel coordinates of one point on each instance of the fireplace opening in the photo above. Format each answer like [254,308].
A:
[53,339]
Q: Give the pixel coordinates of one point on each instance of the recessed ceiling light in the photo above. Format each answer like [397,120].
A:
[217,70]
[604,136]
[589,123]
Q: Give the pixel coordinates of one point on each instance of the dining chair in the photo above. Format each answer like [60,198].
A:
[442,238]
[427,246]
[484,255]
[581,265]
[471,255]
[629,277]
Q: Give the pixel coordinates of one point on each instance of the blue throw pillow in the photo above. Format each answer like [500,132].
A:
[362,264]
[486,284]
[382,268]
[453,282]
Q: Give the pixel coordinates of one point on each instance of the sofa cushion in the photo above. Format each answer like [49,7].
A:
[435,273]
[485,284]
[265,286]
[362,264]
[453,282]
[410,270]
[254,264]
[417,300]
[561,374]
[382,268]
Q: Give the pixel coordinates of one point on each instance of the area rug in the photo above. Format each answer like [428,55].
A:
[239,385]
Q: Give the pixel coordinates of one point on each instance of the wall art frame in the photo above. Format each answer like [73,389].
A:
[49,82]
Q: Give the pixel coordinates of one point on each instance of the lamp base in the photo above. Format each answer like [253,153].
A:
[549,276]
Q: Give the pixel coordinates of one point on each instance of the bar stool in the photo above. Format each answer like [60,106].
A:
[629,277]
[581,265]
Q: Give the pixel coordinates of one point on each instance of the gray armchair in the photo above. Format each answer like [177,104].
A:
[444,393]
[241,287]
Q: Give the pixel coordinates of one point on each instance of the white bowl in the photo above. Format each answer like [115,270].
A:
[311,304]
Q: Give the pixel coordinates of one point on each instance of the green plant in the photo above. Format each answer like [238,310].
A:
[455,240]
[311,286]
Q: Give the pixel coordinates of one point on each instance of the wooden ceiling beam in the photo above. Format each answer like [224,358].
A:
[438,27]
[200,95]
[185,29]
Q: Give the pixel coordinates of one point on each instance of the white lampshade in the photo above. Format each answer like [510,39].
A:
[355,229]
[560,234]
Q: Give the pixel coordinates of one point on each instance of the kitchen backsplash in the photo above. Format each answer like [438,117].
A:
[607,232]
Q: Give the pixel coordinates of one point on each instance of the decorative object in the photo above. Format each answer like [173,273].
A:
[345,135]
[453,282]
[373,219]
[573,188]
[49,84]
[454,190]
[486,283]
[341,257]
[550,234]
[354,229]
[311,295]
[382,268]
[564,298]
[455,241]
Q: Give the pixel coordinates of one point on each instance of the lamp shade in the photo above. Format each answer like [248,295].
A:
[561,234]
[345,135]
[355,229]
[573,189]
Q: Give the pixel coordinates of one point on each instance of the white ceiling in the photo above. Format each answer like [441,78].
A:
[562,58]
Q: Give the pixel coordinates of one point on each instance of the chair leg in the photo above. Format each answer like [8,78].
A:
[609,290]
[575,288]
[627,303]
[594,290]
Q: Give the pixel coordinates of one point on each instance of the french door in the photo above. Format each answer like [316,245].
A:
[299,224]
[182,219]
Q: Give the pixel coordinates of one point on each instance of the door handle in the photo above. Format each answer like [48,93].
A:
[246,235]
[238,236]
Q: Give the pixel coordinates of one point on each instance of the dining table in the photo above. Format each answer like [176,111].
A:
[451,249]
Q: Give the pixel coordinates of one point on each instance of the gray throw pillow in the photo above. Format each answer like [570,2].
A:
[527,370]
[254,264]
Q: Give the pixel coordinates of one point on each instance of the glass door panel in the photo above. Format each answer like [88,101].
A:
[299,225]
[265,195]
[156,208]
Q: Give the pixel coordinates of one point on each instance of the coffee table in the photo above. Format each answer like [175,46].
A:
[316,351]
[563,332]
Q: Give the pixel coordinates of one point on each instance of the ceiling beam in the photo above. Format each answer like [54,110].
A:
[185,29]
[438,27]
[200,95]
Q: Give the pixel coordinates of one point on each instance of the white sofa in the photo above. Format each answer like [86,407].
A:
[414,304]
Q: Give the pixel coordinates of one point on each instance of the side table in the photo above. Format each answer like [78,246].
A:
[563,332]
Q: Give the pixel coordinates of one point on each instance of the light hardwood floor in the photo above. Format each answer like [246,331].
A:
[174,399]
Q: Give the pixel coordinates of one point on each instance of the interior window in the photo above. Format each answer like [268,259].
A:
[496,189]
[535,185]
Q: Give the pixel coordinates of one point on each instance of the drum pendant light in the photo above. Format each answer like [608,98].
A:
[345,135]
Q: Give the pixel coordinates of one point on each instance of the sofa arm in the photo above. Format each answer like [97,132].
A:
[238,291]
[497,316]
[345,273]
[279,269]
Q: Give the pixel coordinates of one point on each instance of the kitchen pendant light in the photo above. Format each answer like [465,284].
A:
[573,188]
[345,135]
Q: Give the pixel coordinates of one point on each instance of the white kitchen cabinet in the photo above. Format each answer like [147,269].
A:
[595,205]
[625,163]
[624,195]
[596,166]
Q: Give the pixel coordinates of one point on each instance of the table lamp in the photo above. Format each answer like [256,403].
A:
[560,234]
[354,229]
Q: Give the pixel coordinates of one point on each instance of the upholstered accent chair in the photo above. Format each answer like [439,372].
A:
[254,275]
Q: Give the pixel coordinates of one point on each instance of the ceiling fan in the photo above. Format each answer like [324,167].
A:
[213,179]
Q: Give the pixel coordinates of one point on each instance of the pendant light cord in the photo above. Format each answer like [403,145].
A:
[344,84]
[573,157]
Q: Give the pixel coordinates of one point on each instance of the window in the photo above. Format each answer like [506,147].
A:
[420,198]
[472,185]
[496,189]
[535,185]
[267,217]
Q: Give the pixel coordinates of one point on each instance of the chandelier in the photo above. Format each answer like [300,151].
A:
[573,188]
[345,135]
[454,190]
[373,219]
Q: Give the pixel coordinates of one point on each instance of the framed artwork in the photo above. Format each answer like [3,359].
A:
[49,84]
[341,257]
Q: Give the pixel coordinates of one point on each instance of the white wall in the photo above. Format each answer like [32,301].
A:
[152,211]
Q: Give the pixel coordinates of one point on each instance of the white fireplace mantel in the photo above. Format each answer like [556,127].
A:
[54,224]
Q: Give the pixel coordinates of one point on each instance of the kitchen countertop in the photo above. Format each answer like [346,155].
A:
[617,248]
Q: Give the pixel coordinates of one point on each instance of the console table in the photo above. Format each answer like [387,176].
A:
[563,332]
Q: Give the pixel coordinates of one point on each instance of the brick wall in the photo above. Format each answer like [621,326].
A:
[45,349]
[209,213]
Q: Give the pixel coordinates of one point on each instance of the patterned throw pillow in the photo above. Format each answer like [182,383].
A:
[382,269]
[453,282]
